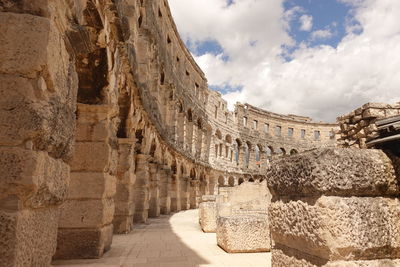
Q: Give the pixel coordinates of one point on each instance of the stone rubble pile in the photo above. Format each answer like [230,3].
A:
[358,127]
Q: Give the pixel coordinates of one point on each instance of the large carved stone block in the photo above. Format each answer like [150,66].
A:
[337,228]
[83,243]
[339,172]
[97,185]
[37,179]
[208,216]
[86,213]
[243,233]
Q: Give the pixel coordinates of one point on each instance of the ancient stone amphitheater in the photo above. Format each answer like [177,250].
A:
[106,120]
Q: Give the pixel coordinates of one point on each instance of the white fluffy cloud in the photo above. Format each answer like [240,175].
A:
[321,82]
[321,34]
[306,23]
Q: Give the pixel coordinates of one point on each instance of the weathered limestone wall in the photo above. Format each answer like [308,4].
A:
[334,207]
[358,127]
[38,86]
[144,140]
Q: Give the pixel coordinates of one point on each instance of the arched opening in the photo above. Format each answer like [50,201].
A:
[269,151]
[221,181]
[153,148]
[193,174]
[241,180]
[293,152]
[231,181]
[218,134]
[281,151]
[189,115]
[228,139]
[251,180]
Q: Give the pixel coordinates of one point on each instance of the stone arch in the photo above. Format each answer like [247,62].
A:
[293,151]
[281,151]
[251,180]
[269,150]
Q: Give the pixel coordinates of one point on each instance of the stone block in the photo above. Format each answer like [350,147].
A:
[373,113]
[208,198]
[243,233]
[97,185]
[30,121]
[83,243]
[86,213]
[208,216]
[338,228]
[340,172]
[91,156]
[92,131]
[122,224]
[35,177]
[28,237]
[286,257]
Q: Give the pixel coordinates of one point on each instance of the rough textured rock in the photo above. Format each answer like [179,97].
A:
[339,172]
[287,257]
[243,233]
[338,228]
[208,216]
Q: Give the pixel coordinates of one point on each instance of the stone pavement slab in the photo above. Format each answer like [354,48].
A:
[170,241]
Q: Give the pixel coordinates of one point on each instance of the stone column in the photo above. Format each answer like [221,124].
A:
[165,184]
[141,189]
[181,130]
[124,198]
[194,194]
[185,205]
[38,85]
[154,206]
[189,135]
[335,207]
[175,193]
[85,225]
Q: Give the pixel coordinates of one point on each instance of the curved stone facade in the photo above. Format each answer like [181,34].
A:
[107,120]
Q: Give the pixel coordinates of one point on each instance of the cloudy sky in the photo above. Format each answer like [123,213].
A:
[319,58]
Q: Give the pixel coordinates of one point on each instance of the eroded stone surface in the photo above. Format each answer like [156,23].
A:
[334,172]
[243,233]
[208,216]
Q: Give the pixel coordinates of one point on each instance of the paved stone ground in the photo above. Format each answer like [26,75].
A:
[170,241]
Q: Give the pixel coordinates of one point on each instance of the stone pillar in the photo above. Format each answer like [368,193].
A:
[189,136]
[38,86]
[165,184]
[154,205]
[175,193]
[124,198]
[335,207]
[141,189]
[85,225]
[181,130]
[185,205]
[194,194]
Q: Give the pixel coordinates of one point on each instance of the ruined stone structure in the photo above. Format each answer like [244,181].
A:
[106,121]
[359,127]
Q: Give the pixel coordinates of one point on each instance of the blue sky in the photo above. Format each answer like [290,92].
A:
[318,58]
